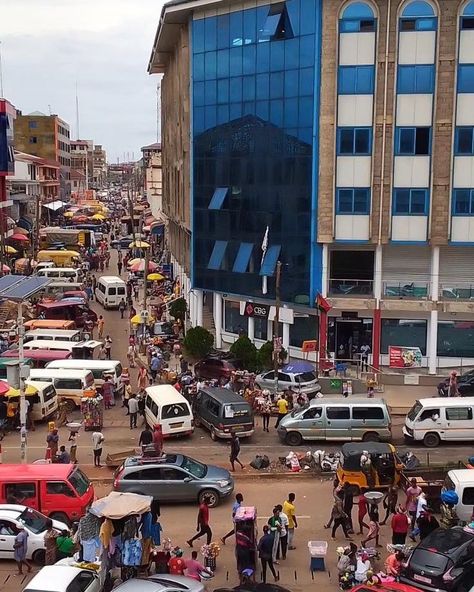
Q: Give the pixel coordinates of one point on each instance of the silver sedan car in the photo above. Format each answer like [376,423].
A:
[161,583]
[300,382]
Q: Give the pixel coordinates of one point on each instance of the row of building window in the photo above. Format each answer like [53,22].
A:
[242,259]
[409,141]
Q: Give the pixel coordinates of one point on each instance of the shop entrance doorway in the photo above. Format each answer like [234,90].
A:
[349,335]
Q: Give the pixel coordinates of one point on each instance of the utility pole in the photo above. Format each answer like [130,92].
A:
[22,368]
[276,324]
[36,227]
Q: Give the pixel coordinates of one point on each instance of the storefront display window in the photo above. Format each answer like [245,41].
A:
[404,332]
[304,328]
[233,321]
[456,339]
[261,329]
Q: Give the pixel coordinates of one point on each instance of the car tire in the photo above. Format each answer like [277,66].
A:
[431,440]
[60,517]
[371,437]
[212,497]
[293,439]
[39,557]
[213,435]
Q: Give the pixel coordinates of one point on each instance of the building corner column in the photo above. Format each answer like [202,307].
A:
[286,333]
[433,332]
[323,335]
[218,318]
[377,324]
[199,305]
[325,271]
[251,328]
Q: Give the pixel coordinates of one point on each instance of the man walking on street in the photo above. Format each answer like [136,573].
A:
[235,451]
[122,307]
[282,405]
[265,552]
[108,347]
[239,499]
[146,438]
[97,442]
[100,326]
[289,510]
[133,411]
[20,549]
[203,527]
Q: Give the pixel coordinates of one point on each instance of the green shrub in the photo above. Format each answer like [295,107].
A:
[198,342]
[244,350]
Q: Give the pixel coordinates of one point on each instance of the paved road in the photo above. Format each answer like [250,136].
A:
[313,503]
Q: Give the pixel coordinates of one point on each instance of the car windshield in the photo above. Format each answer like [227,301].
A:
[417,407]
[429,560]
[305,377]
[446,540]
[79,481]
[194,467]
[33,520]
[300,410]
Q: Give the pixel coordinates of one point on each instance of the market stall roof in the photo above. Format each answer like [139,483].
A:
[118,505]
[55,205]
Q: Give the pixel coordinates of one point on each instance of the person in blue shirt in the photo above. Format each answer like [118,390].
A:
[239,499]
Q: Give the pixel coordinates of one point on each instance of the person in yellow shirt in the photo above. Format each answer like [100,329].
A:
[289,510]
[282,405]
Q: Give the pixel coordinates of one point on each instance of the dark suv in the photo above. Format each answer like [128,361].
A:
[444,560]
[214,368]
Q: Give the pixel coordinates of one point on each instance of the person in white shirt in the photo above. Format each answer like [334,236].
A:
[97,442]
[283,532]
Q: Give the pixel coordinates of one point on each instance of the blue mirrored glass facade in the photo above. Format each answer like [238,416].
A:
[255,85]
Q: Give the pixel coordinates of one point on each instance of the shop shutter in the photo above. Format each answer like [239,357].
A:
[406,264]
[456,264]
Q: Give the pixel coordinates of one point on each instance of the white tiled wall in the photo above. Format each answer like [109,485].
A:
[417,47]
[414,110]
[411,171]
[466,47]
[353,171]
[355,110]
[409,228]
[352,227]
[462,229]
[465,109]
[356,49]
[463,176]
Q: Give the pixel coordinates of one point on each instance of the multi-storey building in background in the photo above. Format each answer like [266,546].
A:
[152,176]
[336,137]
[99,166]
[48,137]
[82,164]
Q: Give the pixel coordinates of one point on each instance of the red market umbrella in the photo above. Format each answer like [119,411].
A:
[4,387]
[21,238]
[140,266]
[19,230]
[6,269]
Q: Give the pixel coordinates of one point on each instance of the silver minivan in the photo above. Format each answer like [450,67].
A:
[347,420]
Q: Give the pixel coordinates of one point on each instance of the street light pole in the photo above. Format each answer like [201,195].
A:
[276,324]
[21,369]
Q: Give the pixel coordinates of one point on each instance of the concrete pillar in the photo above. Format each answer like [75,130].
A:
[433,329]
[286,335]
[218,318]
[190,299]
[251,328]
[199,305]
[378,288]
[325,271]
[433,343]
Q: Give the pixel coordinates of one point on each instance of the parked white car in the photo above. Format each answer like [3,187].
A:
[300,382]
[11,515]
[64,578]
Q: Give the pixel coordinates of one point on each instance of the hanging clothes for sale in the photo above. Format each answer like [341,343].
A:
[132,553]
[92,409]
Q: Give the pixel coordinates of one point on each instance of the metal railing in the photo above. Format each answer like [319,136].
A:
[349,287]
[406,289]
[456,291]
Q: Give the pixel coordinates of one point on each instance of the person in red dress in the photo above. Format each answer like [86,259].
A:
[176,564]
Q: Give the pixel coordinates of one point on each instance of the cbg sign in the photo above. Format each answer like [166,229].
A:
[253,309]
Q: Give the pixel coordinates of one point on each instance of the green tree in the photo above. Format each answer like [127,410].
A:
[265,356]
[244,350]
[178,309]
[198,342]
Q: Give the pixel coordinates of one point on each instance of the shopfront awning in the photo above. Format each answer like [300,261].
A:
[55,205]
[21,197]
[157,227]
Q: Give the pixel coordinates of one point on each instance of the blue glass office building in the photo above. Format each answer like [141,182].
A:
[255,78]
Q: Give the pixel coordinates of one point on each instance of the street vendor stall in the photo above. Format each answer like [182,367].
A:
[245,521]
[92,409]
[129,531]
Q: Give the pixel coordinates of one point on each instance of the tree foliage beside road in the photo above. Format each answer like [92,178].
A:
[198,343]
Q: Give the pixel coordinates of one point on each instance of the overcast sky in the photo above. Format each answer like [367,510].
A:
[104,45]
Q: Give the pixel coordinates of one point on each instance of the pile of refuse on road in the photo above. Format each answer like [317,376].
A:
[318,462]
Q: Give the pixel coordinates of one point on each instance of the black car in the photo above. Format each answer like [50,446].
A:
[444,560]
[123,243]
[465,385]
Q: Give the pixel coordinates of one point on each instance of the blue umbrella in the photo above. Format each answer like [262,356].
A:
[298,367]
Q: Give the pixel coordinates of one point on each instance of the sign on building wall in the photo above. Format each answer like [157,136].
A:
[404,357]
[254,309]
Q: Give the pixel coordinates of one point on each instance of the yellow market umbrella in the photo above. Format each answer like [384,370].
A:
[136,320]
[29,391]
[139,244]
[98,217]
[155,277]
[10,250]
[68,214]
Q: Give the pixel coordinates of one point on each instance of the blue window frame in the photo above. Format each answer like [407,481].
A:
[464,141]
[357,17]
[415,79]
[217,255]
[467,18]
[218,198]
[410,202]
[241,262]
[418,16]
[354,141]
[412,141]
[277,25]
[466,78]
[270,260]
[353,200]
[356,80]
[463,202]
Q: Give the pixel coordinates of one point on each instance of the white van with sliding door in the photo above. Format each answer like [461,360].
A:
[99,369]
[45,402]
[53,335]
[437,420]
[110,291]
[65,274]
[166,406]
[70,385]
